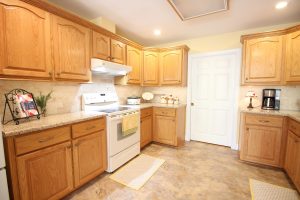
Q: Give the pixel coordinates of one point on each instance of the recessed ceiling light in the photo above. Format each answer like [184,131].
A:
[157,32]
[281,5]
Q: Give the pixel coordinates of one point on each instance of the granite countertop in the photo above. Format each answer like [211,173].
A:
[52,121]
[288,113]
[161,105]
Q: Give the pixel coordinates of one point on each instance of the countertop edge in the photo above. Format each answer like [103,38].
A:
[31,129]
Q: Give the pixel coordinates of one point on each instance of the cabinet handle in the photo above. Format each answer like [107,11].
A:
[264,121]
[69,147]
[247,129]
[76,144]
[90,127]
[58,74]
[46,139]
[108,57]
[50,73]
[246,78]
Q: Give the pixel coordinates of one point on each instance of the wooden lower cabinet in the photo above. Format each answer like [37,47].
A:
[169,126]
[47,173]
[262,145]
[146,130]
[88,156]
[292,157]
[60,165]
[261,139]
[165,130]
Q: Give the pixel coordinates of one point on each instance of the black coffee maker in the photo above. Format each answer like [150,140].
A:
[271,99]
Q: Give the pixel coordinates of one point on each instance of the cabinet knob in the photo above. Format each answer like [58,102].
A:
[50,73]
[58,74]
[247,129]
[192,104]
[246,78]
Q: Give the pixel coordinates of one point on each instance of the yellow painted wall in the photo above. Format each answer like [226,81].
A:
[222,41]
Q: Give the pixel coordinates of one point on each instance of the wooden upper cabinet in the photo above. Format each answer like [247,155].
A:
[118,52]
[292,64]
[25,49]
[135,60]
[101,46]
[46,174]
[151,68]
[71,50]
[171,67]
[262,61]
[89,155]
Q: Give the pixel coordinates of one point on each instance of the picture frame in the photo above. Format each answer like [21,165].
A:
[21,104]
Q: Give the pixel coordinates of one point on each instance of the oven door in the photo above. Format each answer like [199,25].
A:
[116,141]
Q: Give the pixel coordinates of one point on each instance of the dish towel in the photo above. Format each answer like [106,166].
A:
[130,124]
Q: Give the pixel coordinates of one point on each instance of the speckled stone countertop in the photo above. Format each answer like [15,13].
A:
[292,114]
[161,105]
[52,121]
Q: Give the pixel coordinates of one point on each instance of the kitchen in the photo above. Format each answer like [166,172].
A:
[192,127]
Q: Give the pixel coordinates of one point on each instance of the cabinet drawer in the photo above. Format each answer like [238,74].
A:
[146,112]
[264,120]
[88,127]
[35,141]
[171,112]
[294,127]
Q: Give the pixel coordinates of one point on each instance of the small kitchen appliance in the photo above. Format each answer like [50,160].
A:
[133,100]
[271,99]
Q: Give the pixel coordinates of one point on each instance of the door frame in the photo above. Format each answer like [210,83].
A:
[238,53]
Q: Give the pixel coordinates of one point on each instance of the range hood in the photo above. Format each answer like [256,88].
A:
[102,67]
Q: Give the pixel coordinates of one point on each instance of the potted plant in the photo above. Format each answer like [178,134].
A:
[41,101]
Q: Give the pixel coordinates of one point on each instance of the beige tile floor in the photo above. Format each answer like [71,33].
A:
[195,171]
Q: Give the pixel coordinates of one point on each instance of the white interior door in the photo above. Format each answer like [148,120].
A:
[213,97]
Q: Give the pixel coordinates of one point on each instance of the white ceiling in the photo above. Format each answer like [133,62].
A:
[136,19]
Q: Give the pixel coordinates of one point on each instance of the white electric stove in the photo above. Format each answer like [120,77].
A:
[120,149]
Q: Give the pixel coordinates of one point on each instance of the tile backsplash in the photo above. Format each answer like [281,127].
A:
[289,98]
[66,96]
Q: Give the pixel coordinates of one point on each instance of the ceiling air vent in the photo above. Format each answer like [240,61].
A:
[189,9]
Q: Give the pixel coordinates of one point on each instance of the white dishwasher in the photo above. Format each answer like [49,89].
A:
[3,179]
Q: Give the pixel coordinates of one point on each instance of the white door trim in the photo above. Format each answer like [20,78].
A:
[238,53]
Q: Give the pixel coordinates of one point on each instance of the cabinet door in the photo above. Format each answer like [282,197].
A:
[47,173]
[135,60]
[263,60]
[262,144]
[90,159]
[164,130]
[291,155]
[25,49]
[293,57]
[101,46]
[150,68]
[118,52]
[170,67]
[71,55]
[146,130]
